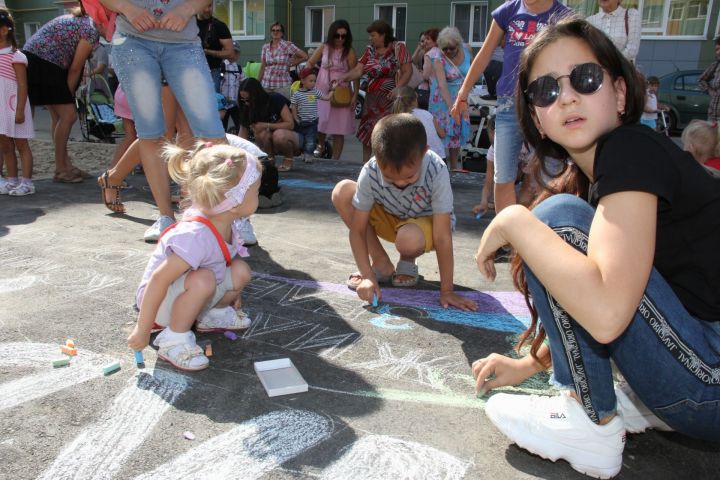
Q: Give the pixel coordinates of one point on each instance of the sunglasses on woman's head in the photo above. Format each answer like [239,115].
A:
[584,79]
[340,35]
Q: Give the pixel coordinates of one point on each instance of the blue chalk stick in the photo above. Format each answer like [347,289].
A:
[139,357]
[374,302]
[479,215]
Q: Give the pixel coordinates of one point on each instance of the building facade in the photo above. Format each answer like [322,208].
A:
[677,34]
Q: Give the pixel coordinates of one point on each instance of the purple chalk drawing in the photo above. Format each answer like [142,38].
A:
[230,335]
[500,311]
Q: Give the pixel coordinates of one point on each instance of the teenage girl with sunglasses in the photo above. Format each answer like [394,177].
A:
[629,276]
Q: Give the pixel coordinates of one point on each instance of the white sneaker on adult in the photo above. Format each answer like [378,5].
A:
[558,427]
[223,319]
[180,350]
[636,415]
[153,233]
[246,231]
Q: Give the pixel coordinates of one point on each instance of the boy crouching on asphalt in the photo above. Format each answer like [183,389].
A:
[404,194]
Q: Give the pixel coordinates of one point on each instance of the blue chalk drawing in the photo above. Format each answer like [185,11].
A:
[300,183]
[382,320]
[500,322]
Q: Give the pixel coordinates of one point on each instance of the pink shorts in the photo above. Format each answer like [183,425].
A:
[122,108]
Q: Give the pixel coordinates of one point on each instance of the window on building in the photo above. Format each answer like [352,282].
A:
[317,22]
[591,7]
[245,18]
[396,16]
[471,19]
[30,28]
[675,18]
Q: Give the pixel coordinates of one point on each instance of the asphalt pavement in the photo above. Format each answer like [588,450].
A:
[390,392]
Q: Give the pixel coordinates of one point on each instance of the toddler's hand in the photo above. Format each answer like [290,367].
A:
[138,340]
[19,117]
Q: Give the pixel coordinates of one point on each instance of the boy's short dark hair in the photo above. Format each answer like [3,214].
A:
[397,140]
[653,80]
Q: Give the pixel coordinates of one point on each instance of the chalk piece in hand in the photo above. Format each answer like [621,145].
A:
[189,435]
[110,368]
[139,359]
[374,302]
[61,362]
[230,335]
[479,215]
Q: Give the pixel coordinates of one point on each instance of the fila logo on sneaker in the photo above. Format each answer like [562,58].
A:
[557,415]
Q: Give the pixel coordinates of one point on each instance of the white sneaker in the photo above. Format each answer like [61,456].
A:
[636,415]
[308,157]
[23,188]
[153,233]
[180,350]
[6,186]
[557,427]
[246,231]
[223,319]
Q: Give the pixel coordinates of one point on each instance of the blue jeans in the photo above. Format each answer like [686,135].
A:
[508,141]
[669,358]
[307,133]
[140,64]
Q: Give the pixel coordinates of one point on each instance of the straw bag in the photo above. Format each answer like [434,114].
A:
[341,96]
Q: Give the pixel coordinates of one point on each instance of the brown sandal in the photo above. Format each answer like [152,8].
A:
[286,166]
[80,173]
[116,206]
[66,177]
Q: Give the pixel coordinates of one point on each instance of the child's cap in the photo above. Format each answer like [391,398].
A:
[307,71]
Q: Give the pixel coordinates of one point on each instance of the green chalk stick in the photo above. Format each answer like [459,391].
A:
[61,362]
[110,368]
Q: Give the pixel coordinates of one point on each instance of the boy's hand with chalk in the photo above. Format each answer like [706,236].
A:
[367,289]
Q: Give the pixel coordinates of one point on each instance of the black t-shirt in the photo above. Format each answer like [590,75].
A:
[270,113]
[687,250]
[211,31]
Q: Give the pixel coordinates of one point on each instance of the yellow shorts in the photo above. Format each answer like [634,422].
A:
[386,225]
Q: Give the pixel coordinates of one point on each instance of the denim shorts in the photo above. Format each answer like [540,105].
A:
[508,141]
[307,135]
[140,65]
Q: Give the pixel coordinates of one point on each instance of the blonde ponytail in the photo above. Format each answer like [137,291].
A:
[405,100]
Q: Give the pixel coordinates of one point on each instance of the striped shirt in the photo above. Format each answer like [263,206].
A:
[7,58]
[306,103]
[429,195]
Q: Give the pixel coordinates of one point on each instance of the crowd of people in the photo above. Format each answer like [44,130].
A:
[616,254]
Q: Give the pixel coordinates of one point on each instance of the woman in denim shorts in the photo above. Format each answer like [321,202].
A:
[151,43]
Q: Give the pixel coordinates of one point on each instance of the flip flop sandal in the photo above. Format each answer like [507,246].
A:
[82,173]
[355,278]
[116,206]
[66,177]
[285,167]
[406,269]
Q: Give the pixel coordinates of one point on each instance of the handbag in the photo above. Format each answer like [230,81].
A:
[341,96]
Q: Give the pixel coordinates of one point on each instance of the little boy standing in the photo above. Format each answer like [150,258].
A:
[303,105]
[404,194]
[650,113]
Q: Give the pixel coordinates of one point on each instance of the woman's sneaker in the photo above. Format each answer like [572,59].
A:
[636,415]
[23,188]
[180,350]
[153,233]
[558,427]
[223,319]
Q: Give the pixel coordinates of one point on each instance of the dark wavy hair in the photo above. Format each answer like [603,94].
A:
[6,20]
[570,179]
[381,27]
[257,108]
[432,33]
[332,30]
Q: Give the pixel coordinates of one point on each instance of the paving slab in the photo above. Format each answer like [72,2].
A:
[390,391]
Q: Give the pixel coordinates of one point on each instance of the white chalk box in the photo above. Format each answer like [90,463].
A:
[280,377]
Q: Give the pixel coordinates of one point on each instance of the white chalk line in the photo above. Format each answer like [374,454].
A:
[379,457]
[85,366]
[249,450]
[100,451]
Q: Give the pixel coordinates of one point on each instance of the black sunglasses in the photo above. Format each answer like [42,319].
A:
[584,79]
[340,35]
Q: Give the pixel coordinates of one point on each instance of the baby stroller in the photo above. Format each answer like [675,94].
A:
[95,108]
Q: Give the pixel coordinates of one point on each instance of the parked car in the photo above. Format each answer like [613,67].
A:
[680,91]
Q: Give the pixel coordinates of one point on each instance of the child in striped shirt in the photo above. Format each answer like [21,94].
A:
[303,105]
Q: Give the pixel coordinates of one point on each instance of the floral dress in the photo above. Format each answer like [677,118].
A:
[457,133]
[380,70]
